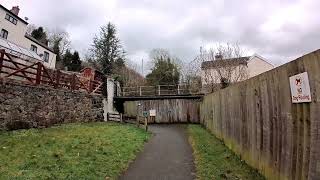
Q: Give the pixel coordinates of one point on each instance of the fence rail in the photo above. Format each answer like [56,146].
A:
[35,73]
[159,90]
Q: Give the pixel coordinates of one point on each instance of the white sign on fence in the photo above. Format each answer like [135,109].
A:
[152,112]
[300,88]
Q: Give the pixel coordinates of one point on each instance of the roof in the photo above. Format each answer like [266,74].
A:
[18,51]
[38,42]
[225,62]
[8,11]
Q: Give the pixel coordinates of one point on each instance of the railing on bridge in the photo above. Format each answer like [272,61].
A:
[159,90]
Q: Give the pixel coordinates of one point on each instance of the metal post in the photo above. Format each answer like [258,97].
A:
[159,90]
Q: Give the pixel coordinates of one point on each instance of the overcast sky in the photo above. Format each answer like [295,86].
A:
[278,30]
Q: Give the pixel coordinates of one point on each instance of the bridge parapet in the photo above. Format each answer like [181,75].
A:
[160,90]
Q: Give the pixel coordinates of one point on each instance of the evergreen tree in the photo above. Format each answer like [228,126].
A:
[67,59]
[76,62]
[108,50]
[108,53]
[165,71]
[71,61]
[40,35]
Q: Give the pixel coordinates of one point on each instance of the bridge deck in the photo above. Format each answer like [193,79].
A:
[137,98]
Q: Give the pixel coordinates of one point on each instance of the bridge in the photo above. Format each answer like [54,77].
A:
[179,91]
[173,103]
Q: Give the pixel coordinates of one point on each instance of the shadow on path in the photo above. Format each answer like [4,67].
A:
[167,155]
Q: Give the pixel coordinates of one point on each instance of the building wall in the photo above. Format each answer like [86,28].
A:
[23,106]
[16,32]
[16,35]
[257,66]
[257,120]
[238,73]
[40,50]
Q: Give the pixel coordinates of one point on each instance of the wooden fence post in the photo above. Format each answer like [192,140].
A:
[140,92]
[73,82]
[178,89]
[138,120]
[146,123]
[58,78]
[39,72]
[121,120]
[159,90]
[1,59]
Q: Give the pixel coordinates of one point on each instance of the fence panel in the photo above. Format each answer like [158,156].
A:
[257,120]
[35,73]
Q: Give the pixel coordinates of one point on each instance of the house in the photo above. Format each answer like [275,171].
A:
[231,70]
[15,40]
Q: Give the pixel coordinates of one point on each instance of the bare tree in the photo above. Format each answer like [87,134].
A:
[130,75]
[220,66]
[30,28]
[61,38]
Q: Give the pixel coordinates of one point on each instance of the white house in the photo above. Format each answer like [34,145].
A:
[232,69]
[15,40]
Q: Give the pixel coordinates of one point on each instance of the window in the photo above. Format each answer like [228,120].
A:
[4,34]
[46,56]
[33,48]
[11,19]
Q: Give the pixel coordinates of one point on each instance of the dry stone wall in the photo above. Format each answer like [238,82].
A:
[23,106]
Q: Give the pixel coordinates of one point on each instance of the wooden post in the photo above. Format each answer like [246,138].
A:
[90,86]
[159,90]
[58,78]
[121,120]
[39,72]
[1,60]
[178,89]
[107,116]
[140,91]
[138,120]
[73,82]
[146,123]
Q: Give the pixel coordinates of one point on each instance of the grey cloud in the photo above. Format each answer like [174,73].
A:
[182,26]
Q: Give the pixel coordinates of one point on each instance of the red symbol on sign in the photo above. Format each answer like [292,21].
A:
[298,81]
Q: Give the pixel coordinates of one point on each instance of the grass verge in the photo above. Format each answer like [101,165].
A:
[214,160]
[70,151]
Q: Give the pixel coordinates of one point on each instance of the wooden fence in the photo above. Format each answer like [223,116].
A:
[257,120]
[167,110]
[35,73]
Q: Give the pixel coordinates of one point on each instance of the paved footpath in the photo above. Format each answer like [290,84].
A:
[167,155]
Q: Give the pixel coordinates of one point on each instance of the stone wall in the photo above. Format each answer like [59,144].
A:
[23,106]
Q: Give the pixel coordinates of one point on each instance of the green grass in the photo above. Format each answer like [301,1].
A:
[71,151]
[214,160]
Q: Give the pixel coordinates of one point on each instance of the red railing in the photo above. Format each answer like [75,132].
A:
[35,73]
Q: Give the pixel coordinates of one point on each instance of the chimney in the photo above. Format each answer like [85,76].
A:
[15,10]
[218,57]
